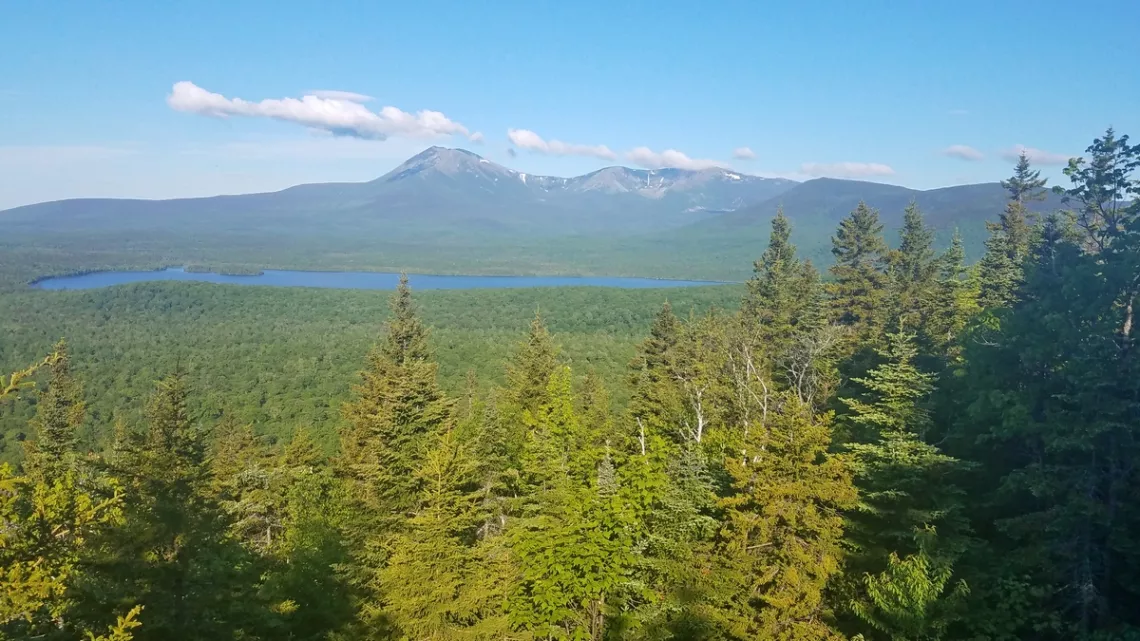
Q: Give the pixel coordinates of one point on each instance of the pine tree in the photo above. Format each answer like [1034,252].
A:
[913,271]
[397,407]
[859,288]
[59,414]
[171,555]
[572,541]
[438,584]
[783,295]
[530,369]
[1010,238]
[907,486]
[781,538]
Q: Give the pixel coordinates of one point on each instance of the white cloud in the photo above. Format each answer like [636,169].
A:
[743,153]
[476,137]
[963,152]
[846,169]
[646,157]
[1036,156]
[958,112]
[336,116]
[527,139]
[346,96]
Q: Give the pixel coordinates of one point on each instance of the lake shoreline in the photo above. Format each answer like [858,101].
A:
[341,279]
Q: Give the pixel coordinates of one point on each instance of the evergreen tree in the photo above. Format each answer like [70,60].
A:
[440,582]
[859,288]
[529,371]
[907,486]
[1053,389]
[780,540]
[655,405]
[1010,238]
[913,271]
[955,300]
[782,308]
[59,414]
[396,408]
[572,541]
[171,555]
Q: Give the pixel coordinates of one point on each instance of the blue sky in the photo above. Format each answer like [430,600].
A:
[876,89]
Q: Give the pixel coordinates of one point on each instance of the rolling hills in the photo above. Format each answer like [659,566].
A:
[452,211]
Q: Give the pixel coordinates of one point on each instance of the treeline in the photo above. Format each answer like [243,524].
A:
[911,450]
[282,357]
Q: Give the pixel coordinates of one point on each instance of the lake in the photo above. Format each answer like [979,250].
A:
[357,280]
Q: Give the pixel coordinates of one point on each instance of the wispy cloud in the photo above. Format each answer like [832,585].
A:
[332,94]
[1036,156]
[958,112]
[963,152]
[646,157]
[846,169]
[743,153]
[527,139]
[476,137]
[338,116]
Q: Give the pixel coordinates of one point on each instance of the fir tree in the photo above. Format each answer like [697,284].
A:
[438,584]
[655,405]
[859,288]
[1010,238]
[907,486]
[572,542]
[59,414]
[780,541]
[529,371]
[171,555]
[913,271]
[397,407]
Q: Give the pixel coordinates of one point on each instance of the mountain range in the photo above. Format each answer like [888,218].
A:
[454,203]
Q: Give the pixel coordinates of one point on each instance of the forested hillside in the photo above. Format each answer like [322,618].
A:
[909,448]
[448,211]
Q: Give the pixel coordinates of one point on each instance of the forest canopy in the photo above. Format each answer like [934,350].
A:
[902,448]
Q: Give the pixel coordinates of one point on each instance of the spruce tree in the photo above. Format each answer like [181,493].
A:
[913,270]
[859,286]
[530,369]
[780,541]
[655,405]
[438,583]
[172,555]
[396,408]
[1010,238]
[60,412]
[907,487]
[1054,390]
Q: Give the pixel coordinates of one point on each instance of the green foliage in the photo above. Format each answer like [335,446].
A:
[770,473]
[859,289]
[781,535]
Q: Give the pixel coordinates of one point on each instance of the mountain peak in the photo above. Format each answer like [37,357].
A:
[445,160]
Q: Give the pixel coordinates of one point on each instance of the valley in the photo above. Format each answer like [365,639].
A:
[449,211]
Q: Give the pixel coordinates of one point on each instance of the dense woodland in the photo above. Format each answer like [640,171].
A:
[903,448]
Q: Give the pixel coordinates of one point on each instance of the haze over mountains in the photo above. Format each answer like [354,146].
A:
[455,202]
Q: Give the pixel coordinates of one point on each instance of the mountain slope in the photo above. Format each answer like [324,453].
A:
[437,192]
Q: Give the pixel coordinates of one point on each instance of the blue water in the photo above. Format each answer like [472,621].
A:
[357,280]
